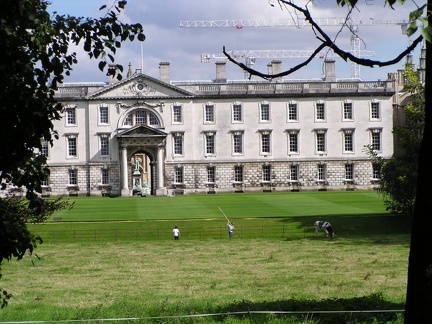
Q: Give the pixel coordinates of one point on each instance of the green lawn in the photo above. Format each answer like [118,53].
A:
[114,258]
[233,205]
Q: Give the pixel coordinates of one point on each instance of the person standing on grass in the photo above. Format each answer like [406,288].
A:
[231,229]
[176,233]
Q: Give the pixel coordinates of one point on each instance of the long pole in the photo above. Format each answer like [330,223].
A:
[224,215]
[228,220]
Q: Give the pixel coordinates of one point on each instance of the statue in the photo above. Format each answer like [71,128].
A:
[136,165]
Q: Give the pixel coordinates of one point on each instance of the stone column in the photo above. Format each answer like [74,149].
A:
[160,190]
[124,172]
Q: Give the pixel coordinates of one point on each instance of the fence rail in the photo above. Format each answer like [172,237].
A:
[186,233]
[285,231]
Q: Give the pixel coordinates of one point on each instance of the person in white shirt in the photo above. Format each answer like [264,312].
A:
[176,233]
[231,228]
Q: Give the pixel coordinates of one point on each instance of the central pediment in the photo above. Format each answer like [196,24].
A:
[140,86]
[142,131]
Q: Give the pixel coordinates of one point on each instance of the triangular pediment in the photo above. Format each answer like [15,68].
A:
[140,86]
[142,131]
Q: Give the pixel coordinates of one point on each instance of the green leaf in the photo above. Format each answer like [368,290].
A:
[102,65]
[427,33]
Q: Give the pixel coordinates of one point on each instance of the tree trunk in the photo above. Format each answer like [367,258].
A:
[418,307]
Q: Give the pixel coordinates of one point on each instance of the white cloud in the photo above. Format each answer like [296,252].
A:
[183,47]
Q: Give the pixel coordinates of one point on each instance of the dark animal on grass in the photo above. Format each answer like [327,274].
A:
[324,227]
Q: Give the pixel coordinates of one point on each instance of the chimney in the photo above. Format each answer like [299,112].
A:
[221,72]
[276,69]
[269,69]
[330,71]
[164,71]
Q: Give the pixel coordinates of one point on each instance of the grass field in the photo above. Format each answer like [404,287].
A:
[140,279]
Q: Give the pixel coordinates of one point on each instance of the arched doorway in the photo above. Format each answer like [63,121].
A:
[142,151]
[142,183]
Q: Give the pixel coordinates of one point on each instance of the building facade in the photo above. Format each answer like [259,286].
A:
[147,136]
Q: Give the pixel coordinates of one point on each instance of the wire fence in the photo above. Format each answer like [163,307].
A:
[186,233]
[284,231]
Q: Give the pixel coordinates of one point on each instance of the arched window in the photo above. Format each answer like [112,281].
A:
[141,117]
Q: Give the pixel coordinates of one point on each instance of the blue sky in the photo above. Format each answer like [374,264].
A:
[182,47]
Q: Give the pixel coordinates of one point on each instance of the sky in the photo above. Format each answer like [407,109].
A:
[182,47]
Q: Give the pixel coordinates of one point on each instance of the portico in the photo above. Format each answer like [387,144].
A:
[146,140]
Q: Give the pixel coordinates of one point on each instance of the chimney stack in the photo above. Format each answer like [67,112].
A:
[221,72]
[276,69]
[164,72]
[330,71]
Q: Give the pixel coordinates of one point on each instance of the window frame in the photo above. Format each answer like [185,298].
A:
[177,114]
[291,135]
[266,171]
[209,113]
[320,111]
[375,110]
[265,112]
[347,105]
[211,174]
[294,172]
[105,178]
[320,141]
[71,116]
[238,173]
[237,113]
[103,113]
[348,140]
[209,145]
[265,142]
[104,147]
[237,148]
[179,174]
[178,143]
[292,105]
[349,171]
[376,138]
[322,172]
[71,146]
[72,177]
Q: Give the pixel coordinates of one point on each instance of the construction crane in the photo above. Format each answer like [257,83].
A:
[250,56]
[351,22]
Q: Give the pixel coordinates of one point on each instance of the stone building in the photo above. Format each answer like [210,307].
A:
[147,136]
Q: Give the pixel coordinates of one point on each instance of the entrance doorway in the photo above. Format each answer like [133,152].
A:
[141,175]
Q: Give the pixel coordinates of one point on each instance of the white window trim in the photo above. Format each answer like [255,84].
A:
[182,135]
[233,121]
[316,111]
[181,122]
[214,113]
[99,115]
[66,108]
[287,111]
[71,157]
[205,134]
[261,133]
[264,121]
[349,101]
[289,133]
[241,133]
[370,110]
[320,131]
[344,132]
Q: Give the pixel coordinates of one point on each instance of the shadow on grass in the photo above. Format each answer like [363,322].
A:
[356,226]
[367,309]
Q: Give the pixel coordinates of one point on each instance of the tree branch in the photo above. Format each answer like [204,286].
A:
[326,42]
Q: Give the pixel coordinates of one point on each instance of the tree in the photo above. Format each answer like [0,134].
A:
[34,59]
[419,289]
[398,178]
